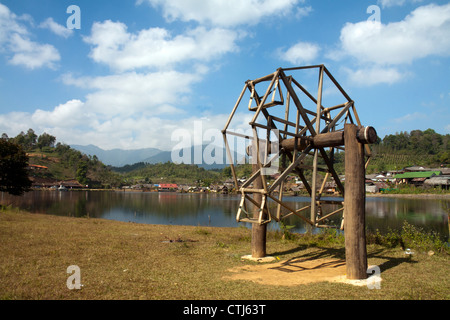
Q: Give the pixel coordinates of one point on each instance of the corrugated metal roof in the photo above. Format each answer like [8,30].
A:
[412,175]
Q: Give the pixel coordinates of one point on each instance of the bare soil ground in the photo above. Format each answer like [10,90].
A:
[292,272]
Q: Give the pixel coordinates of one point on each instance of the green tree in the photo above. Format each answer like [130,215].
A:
[82,173]
[13,169]
[30,139]
[45,140]
[226,172]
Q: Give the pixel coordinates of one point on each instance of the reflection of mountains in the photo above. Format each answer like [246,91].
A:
[390,213]
[398,207]
[171,205]
[381,213]
[97,204]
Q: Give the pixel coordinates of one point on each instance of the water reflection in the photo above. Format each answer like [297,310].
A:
[218,210]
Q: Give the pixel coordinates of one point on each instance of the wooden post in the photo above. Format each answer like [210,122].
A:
[354,205]
[258,231]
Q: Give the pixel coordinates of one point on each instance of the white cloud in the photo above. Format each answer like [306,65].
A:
[416,116]
[126,132]
[131,93]
[69,114]
[424,32]
[31,54]
[302,52]
[223,13]
[392,3]
[15,41]
[14,122]
[303,12]
[374,75]
[156,47]
[56,28]
[447,128]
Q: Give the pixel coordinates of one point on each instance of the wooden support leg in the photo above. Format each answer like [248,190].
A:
[354,205]
[258,231]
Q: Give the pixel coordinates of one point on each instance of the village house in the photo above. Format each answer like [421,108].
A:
[167,187]
[416,178]
[439,181]
[71,184]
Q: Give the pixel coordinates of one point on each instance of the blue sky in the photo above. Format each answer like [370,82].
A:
[136,71]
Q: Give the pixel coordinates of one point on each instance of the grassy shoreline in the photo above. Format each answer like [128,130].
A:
[120,261]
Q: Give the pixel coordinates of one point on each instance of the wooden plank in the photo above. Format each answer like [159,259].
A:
[247,197]
[252,190]
[337,84]
[230,157]
[302,67]
[337,117]
[260,105]
[332,171]
[367,148]
[238,134]
[289,169]
[258,160]
[315,159]
[286,112]
[263,126]
[280,198]
[330,214]
[297,103]
[334,107]
[234,108]
[293,210]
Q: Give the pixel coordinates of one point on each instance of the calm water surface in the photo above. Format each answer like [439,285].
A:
[218,210]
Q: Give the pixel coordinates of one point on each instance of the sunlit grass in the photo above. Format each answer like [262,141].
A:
[121,260]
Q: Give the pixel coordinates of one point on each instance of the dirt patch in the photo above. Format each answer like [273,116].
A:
[292,272]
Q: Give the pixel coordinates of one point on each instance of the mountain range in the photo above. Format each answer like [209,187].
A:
[121,157]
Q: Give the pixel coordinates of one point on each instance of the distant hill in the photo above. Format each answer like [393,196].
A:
[120,157]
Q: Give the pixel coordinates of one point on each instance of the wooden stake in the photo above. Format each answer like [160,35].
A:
[354,205]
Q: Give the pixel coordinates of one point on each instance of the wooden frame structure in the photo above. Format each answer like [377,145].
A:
[315,134]
[308,138]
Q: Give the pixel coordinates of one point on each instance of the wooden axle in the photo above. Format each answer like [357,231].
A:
[364,135]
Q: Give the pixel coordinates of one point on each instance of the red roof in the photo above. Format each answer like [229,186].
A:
[38,166]
[168,186]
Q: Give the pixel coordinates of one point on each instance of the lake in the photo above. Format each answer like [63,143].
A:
[218,210]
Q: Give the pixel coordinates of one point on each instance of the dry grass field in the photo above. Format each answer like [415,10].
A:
[129,261]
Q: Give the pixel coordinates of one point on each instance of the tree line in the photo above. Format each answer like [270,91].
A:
[89,170]
[416,142]
[29,141]
[71,164]
[168,172]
